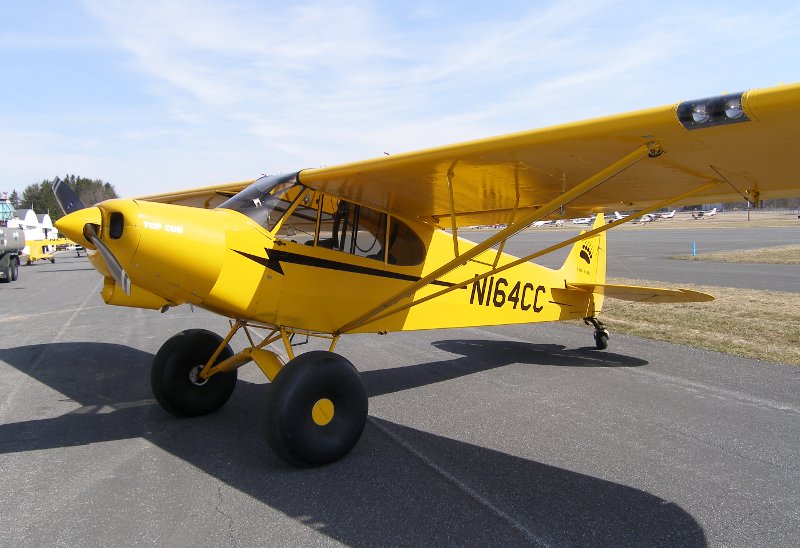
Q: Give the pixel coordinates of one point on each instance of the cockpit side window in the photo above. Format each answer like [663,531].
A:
[361,231]
[405,246]
[351,228]
[326,221]
[300,224]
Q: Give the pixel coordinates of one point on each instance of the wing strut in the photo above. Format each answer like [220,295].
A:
[545,251]
[513,216]
[595,180]
[452,207]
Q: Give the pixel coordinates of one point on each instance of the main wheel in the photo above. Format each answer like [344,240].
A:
[174,380]
[14,270]
[316,409]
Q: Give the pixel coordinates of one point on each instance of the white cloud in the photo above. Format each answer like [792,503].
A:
[45,151]
[241,87]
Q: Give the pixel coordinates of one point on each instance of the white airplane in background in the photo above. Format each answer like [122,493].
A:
[704,214]
[649,218]
[558,222]
[583,220]
[618,216]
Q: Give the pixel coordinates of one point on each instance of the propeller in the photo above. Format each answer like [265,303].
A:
[67,198]
[73,225]
[114,266]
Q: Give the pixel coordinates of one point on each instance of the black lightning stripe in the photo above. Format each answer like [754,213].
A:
[269,262]
[274,259]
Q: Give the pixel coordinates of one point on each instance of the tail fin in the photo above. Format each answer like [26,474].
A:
[586,263]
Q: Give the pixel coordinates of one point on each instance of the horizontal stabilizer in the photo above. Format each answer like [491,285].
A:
[644,294]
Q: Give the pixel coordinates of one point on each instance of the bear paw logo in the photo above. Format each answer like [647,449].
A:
[586,253]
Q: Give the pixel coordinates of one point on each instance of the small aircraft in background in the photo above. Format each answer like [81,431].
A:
[373,247]
[557,222]
[704,214]
[43,250]
[619,216]
[583,220]
[649,218]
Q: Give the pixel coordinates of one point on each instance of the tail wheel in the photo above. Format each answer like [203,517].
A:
[601,339]
[174,379]
[316,409]
[600,332]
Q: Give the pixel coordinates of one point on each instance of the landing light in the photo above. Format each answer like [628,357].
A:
[700,114]
[733,108]
[712,111]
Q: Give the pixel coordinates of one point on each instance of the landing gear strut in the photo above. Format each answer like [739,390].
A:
[600,332]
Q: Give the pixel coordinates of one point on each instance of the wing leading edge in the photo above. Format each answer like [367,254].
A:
[205,197]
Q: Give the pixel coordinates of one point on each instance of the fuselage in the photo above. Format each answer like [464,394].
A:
[305,271]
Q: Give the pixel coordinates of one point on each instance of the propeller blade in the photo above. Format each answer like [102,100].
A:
[117,272]
[66,197]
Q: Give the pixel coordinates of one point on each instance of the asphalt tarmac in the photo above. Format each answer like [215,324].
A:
[643,252]
[519,435]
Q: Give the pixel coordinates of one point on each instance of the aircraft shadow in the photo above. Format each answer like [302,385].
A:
[483,355]
[399,486]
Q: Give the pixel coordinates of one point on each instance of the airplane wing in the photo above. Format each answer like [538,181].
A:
[205,197]
[744,144]
[655,295]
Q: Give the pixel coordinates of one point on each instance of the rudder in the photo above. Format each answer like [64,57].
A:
[586,262]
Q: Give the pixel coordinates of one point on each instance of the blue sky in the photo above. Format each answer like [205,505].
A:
[163,95]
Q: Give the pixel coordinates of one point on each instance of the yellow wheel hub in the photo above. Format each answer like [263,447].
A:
[322,412]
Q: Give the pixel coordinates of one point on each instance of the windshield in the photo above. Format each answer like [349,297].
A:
[267,199]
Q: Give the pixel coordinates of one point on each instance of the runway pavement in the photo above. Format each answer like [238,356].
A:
[519,435]
[642,252]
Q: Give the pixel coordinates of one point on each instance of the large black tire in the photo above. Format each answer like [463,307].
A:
[14,270]
[309,379]
[173,375]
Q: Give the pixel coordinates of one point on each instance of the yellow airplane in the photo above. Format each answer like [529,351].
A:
[37,249]
[374,247]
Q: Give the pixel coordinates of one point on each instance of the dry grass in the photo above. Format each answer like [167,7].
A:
[745,322]
[785,254]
